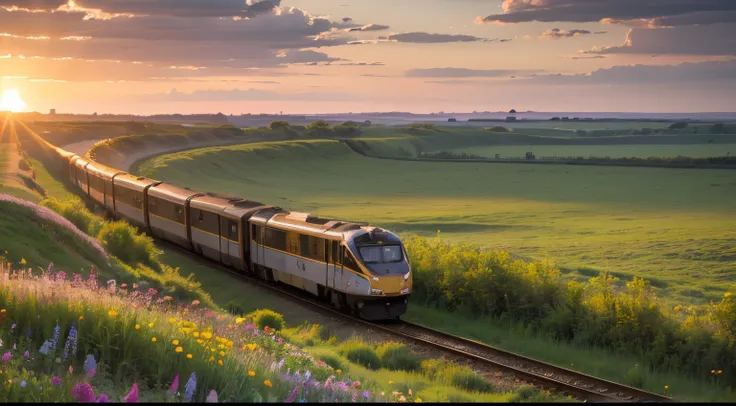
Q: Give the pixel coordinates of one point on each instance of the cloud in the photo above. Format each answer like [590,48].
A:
[181,8]
[716,39]
[370,27]
[588,57]
[518,11]
[244,95]
[463,73]
[721,71]
[427,38]
[556,33]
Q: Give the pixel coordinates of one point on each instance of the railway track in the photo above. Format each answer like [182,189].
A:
[547,376]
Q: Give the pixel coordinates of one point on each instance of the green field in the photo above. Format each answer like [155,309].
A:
[600,151]
[673,227]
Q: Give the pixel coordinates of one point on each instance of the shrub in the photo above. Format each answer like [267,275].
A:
[455,375]
[397,357]
[74,210]
[524,393]
[267,318]
[361,353]
[122,240]
[332,360]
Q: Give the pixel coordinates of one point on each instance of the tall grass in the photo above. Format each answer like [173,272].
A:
[481,283]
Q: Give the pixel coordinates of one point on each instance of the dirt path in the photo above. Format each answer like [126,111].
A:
[11,161]
[80,148]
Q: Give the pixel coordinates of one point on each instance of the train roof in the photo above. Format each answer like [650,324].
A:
[307,222]
[102,169]
[136,182]
[231,206]
[171,192]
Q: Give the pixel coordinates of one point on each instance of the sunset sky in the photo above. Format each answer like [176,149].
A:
[329,56]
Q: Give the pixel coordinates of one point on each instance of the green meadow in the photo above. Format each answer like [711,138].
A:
[612,151]
[673,227]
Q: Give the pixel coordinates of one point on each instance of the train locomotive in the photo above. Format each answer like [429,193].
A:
[357,268]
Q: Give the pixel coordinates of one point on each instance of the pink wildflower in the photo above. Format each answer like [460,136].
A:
[174,385]
[56,381]
[7,356]
[212,397]
[102,399]
[84,393]
[132,396]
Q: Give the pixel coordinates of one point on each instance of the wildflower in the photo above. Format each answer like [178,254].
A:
[366,394]
[419,400]
[719,372]
[137,326]
[212,397]
[195,334]
[219,361]
[410,394]
[112,313]
[179,349]
[222,353]
[195,302]
[90,365]
[23,384]
[713,371]
[268,383]
[251,373]
[175,342]
[666,387]
[71,343]
[390,382]
[153,339]
[45,347]
[81,318]
[172,320]
[212,359]
[83,392]
[132,396]
[26,354]
[356,384]
[150,325]
[12,327]
[102,399]
[189,356]
[207,335]
[28,333]
[71,369]
[293,394]
[56,381]
[239,320]
[22,261]
[339,371]
[7,356]
[55,340]
[190,387]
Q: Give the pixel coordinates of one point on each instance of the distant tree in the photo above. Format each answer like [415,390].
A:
[512,111]
[319,124]
[555,119]
[678,126]
[277,125]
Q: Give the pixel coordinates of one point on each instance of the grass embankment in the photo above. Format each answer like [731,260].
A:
[595,314]
[586,221]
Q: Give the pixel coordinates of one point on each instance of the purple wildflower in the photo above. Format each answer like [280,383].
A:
[132,396]
[366,394]
[23,384]
[291,397]
[28,333]
[56,381]
[71,343]
[55,340]
[50,268]
[355,398]
[12,327]
[102,399]
[174,385]
[26,354]
[190,387]
[83,392]
[90,365]
[7,356]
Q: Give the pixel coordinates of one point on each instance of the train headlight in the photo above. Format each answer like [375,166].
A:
[406,277]
[376,292]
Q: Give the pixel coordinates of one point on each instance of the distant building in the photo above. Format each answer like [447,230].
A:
[510,118]
[452,120]
[52,112]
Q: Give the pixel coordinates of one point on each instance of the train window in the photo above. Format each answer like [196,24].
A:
[336,252]
[206,221]
[275,239]
[201,216]
[349,262]
[153,205]
[254,233]
[233,229]
[312,247]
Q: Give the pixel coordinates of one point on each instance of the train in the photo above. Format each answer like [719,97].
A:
[358,269]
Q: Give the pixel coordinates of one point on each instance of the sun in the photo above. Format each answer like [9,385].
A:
[12,102]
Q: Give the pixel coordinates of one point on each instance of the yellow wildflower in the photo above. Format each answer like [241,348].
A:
[222,353]
[212,359]
[219,361]
[239,320]
[172,320]
[719,372]
[268,383]
[175,342]
[712,371]
[338,371]
[189,356]
[150,325]
[207,335]
[153,339]
[251,373]
[195,334]
[419,400]
[179,349]
[137,326]
[81,318]
[390,382]
[252,347]
[112,313]
[2,311]
[666,387]
[22,261]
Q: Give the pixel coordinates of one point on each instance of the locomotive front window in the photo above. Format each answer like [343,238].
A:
[381,254]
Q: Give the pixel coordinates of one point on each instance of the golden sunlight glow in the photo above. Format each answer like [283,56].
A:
[72,4]
[12,102]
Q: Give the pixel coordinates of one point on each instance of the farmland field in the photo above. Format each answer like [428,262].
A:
[612,151]
[674,227]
